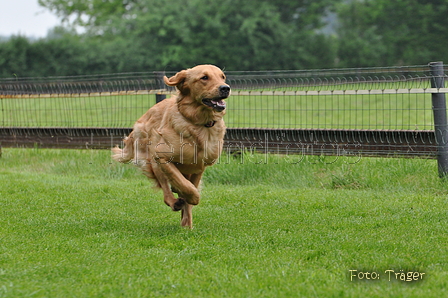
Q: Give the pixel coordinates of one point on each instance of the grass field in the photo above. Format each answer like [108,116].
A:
[74,225]
[388,111]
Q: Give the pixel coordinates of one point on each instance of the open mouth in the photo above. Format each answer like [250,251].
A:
[217,104]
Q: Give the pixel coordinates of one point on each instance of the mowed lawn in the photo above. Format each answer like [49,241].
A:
[73,224]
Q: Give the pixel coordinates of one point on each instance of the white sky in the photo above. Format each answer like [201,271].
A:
[25,17]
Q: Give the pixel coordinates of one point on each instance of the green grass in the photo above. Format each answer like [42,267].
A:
[72,224]
[396,111]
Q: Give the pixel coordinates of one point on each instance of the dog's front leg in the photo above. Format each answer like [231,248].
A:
[187,189]
[168,197]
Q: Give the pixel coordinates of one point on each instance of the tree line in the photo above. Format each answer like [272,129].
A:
[145,35]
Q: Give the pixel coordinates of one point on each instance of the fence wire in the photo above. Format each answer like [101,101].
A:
[342,112]
[367,98]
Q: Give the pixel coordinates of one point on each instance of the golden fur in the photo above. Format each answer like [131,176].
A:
[176,139]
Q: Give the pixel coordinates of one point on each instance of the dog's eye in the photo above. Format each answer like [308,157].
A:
[204,78]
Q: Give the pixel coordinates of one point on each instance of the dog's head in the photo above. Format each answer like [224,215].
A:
[206,84]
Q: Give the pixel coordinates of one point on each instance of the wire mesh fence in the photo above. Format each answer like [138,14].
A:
[115,100]
[323,108]
[371,98]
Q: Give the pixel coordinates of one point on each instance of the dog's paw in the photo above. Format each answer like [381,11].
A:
[179,204]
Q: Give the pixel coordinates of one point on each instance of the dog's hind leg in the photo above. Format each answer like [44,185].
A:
[187,215]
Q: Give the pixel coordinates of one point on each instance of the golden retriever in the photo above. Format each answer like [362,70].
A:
[176,139]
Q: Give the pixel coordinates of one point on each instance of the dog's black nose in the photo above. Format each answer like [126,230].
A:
[224,90]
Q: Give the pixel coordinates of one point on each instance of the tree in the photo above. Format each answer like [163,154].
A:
[14,56]
[383,32]
[235,34]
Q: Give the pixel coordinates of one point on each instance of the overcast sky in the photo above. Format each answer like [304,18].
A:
[25,17]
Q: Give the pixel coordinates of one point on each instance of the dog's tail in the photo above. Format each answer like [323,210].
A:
[127,153]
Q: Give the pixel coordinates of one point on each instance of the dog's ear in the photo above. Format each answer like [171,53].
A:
[178,80]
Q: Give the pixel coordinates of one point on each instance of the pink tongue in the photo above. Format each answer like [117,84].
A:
[218,103]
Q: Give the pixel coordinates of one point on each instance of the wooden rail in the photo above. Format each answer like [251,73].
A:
[335,142]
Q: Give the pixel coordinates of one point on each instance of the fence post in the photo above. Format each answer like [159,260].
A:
[440,118]
[160,85]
